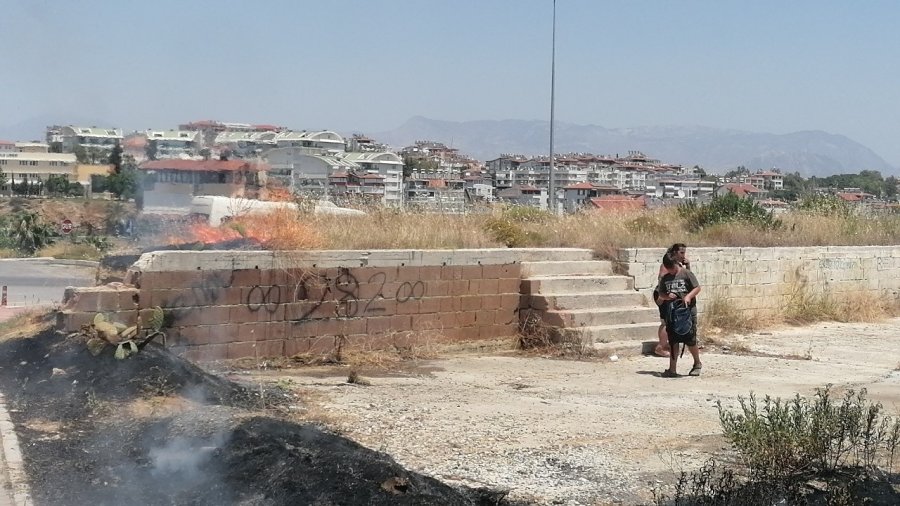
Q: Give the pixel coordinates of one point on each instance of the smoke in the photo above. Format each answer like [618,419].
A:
[184,456]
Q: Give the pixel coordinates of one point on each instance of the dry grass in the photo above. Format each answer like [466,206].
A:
[722,316]
[280,230]
[70,251]
[27,323]
[386,229]
[603,232]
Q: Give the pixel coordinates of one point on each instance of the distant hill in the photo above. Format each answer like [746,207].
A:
[717,150]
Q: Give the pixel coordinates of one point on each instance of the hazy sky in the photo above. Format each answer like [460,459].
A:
[368,65]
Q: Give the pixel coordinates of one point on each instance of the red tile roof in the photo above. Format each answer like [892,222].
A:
[580,186]
[7,143]
[853,197]
[203,165]
[742,189]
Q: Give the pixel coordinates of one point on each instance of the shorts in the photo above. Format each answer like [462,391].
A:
[689,339]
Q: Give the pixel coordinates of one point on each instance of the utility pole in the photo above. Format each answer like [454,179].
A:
[552,186]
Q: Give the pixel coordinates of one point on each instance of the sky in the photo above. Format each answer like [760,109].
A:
[369,65]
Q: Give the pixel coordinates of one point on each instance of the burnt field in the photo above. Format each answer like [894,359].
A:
[154,429]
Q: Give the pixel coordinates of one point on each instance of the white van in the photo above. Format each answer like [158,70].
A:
[217,210]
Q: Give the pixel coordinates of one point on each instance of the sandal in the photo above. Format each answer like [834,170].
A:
[695,371]
[669,374]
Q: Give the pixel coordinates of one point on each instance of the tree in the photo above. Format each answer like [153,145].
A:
[739,171]
[124,184]
[890,187]
[151,149]
[58,185]
[29,233]
[115,158]
[700,171]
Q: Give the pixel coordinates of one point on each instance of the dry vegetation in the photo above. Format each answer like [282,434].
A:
[603,232]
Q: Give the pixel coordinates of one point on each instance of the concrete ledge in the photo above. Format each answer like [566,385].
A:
[54,261]
[167,261]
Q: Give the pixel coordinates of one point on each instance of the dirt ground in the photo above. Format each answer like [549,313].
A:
[608,431]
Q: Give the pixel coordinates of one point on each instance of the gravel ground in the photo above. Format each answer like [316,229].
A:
[587,432]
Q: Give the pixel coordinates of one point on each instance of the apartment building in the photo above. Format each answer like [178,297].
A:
[171,184]
[387,165]
[164,144]
[70,137]
[689,189]
[30,163]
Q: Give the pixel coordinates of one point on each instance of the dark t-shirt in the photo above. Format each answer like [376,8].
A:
[680,284]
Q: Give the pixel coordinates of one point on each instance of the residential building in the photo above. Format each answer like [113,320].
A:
[89,138]
[324,142]
[209,129]
[386,164]
[579,195]
[164,144]
[173,183]
[767,180]
[524,195]
[36,167]
[32,147]
[742,190]
[688,189]
[302,172]
[436,195]
[243,144]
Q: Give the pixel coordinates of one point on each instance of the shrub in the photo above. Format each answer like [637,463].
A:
[788,439]
[510,233]
[825,205]
[725,209]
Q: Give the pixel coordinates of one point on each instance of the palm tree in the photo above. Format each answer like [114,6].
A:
[29,233]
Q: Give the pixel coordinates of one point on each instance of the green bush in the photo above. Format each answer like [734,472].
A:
[825,205]
[785,445]
[780,439]
[725,209]
[526,214]
[510,233]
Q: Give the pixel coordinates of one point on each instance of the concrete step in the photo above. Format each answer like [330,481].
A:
[575,284]
[601,316]
[629,348]
[589,300]
[638,332]
[567,268]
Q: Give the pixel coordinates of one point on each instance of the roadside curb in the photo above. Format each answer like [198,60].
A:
[12,468]
[54,261]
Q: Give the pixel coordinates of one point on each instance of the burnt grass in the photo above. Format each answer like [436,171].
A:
[82,446]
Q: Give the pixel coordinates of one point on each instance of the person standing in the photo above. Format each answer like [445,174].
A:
[678,252]
[677,296]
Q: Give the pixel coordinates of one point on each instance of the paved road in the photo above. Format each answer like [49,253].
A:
[41,282]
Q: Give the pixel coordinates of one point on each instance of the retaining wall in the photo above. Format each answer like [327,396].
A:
[234,304]
[763,278]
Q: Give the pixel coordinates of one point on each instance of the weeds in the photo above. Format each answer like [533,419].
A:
[798,451]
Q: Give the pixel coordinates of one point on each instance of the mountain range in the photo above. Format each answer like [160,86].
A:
[811,153]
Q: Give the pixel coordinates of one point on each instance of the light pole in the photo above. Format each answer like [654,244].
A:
[552,186]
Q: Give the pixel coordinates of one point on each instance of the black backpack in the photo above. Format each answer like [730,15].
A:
[679,319]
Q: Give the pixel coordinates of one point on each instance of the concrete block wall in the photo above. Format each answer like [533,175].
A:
[763,278]
[236,304]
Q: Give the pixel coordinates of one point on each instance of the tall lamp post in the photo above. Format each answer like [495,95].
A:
[552,186]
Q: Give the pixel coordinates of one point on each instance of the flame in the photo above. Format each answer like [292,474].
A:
[281,229]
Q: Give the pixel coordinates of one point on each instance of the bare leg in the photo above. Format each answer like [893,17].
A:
[662,348]
[673,357]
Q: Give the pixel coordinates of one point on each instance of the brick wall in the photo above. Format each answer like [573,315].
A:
[276,306]
[762,278]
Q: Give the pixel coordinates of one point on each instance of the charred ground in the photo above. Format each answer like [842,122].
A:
[156,430]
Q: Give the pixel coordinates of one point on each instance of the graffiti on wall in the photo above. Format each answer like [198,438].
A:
[343,290]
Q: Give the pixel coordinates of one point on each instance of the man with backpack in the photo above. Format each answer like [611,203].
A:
[677,298]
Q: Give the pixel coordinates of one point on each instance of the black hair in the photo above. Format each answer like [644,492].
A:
[669,261]
[675,247]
